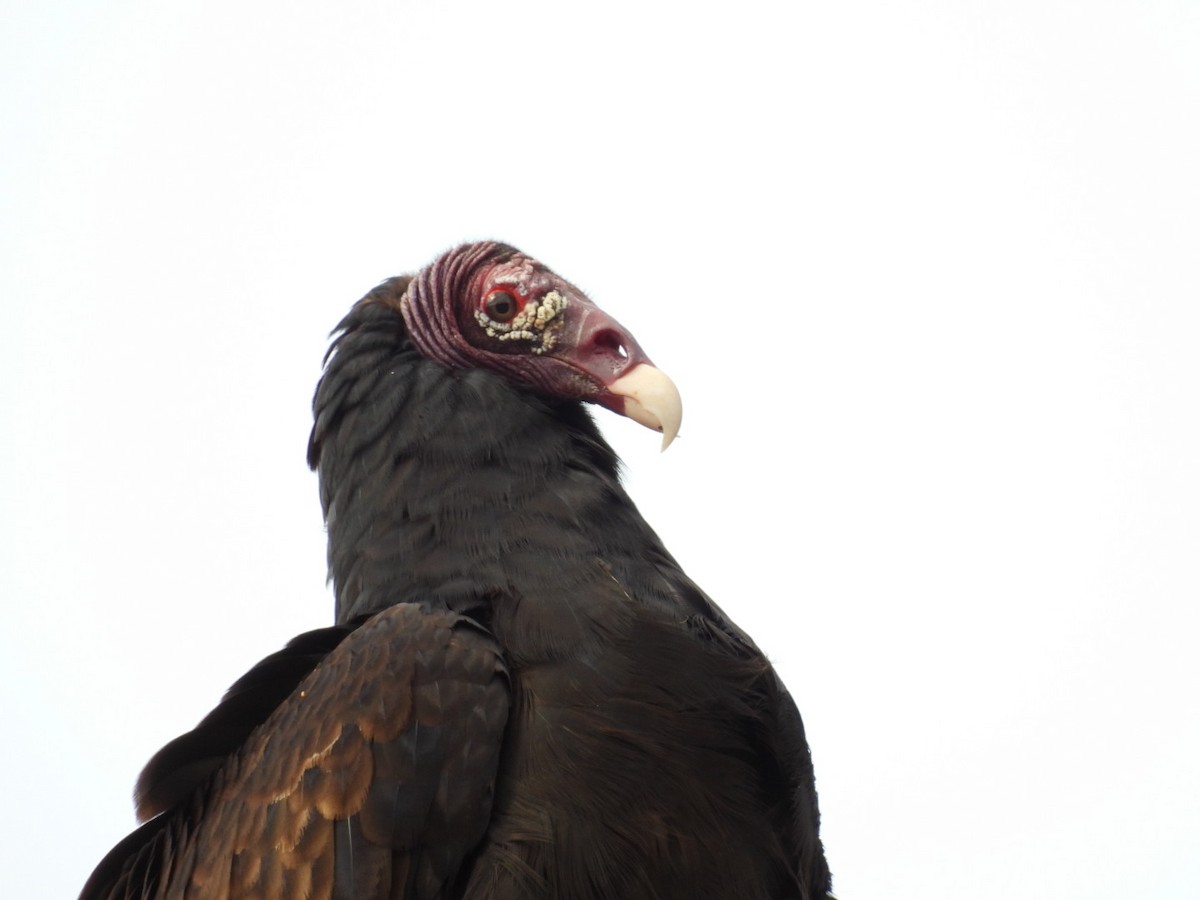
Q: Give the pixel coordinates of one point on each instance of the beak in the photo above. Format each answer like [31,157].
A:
[617,372]
[652,399]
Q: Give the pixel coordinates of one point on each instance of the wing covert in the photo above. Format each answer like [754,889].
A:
[373,779]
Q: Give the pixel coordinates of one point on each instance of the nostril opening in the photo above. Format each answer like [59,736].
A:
[611,341]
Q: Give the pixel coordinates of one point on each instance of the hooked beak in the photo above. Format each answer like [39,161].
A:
[652,399]
[619,373]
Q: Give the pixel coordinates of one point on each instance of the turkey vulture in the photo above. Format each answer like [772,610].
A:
[523,696]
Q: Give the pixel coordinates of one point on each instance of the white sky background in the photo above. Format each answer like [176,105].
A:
[928,279]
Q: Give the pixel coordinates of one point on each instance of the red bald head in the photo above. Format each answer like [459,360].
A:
[488,305]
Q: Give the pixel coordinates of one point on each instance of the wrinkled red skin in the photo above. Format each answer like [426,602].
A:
[586,349]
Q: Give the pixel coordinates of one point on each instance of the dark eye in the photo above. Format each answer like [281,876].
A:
[501,306]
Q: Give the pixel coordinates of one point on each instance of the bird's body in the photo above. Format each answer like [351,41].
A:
[524,697]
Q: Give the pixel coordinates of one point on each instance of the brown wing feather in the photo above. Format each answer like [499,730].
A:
[186,763]
[373,779]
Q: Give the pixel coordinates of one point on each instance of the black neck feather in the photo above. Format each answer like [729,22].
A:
[453,486]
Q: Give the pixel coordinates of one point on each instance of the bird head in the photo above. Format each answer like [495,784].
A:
[489,305]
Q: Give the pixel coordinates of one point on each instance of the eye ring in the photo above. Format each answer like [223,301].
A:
[501,305]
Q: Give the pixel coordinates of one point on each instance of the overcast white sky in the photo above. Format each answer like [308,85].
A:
[927,276]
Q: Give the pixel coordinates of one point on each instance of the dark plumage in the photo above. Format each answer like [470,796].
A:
[524,696]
